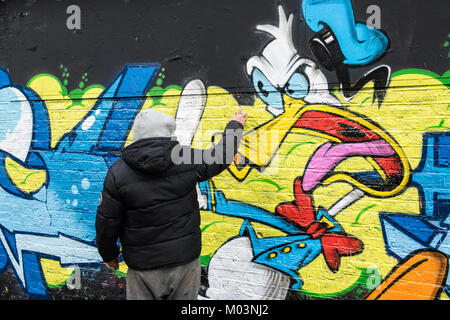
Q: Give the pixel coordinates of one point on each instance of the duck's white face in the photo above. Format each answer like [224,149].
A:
[279,70]
[306,83]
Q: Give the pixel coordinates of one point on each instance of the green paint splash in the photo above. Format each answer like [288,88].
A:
[361,213]
[295,147]
[120,273]
[157,93]
[208,225]
[76,95]
[364,101]
[26,178]
[368,280]
[439,126]
[12,165]
[271,182]
[204,259]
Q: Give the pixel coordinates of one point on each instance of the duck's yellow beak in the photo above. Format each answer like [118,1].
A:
[291,104]
[260,144]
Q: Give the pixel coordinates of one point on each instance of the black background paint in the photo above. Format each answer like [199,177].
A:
[206,39]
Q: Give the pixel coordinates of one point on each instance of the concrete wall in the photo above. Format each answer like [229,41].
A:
[341,189]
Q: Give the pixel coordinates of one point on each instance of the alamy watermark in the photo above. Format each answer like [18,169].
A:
[73,21]
[374,20]
[258,148]
[220,153]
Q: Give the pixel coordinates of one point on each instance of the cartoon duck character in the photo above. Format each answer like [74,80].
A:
[296,92]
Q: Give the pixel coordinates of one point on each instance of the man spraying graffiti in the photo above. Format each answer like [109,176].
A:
[149,201]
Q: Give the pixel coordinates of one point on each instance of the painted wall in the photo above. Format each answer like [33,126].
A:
[341,186]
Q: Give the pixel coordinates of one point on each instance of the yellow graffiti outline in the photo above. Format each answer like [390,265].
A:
[213,198]
[377,168]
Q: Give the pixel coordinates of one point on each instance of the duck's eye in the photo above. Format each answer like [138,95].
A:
[266,91]
[297,87]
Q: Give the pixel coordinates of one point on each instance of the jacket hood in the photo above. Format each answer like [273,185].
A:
[150,123]
[151,155]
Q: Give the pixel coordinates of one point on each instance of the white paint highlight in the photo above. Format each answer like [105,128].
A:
[252,282]
[190,110]
[18,139]
[346,201]
[85,183]
[74,189]
[87,124]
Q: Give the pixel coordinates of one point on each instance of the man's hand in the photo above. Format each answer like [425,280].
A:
[240,117]
[113,264]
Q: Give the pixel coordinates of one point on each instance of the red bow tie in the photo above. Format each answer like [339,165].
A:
[334,245]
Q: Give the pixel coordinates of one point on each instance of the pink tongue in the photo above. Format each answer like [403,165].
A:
[327,156]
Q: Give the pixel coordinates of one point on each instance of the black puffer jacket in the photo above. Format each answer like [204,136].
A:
[150,203]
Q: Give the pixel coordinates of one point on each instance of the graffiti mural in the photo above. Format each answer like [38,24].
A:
[61,212]
[295,92]
[339,190]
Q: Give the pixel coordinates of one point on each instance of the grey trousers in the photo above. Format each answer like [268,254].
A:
[176,283]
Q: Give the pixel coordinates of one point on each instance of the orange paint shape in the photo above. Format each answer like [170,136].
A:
[418,277]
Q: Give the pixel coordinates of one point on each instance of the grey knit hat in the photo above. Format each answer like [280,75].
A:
[150,123]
